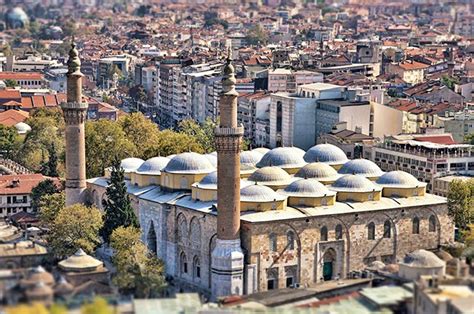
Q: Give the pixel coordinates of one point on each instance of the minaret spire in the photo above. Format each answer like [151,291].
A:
[74,112]
[227,257]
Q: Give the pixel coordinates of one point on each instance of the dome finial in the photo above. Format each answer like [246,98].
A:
[228,79]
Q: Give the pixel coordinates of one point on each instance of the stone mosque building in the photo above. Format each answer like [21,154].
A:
[236,222]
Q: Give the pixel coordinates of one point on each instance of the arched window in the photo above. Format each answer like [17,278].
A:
[273,242]
[416,225]
[183,183]
[324,233]
[432,222]
[386,229]
[290,238]
[183,263]
[151,239]
[196,267]
[182,229]
[338,232]
[272,279]
[371,231]
[195,236]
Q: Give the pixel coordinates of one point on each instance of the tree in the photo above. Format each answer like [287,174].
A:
[138,271]
[461,202]
[75,227]
[105,140]
[139,130]
[117,206]
[45,187]
[170,142]
[203,133]
[257,35]
[98,306]
[469,139]
[449,81]
[10,83]
[49,207]
[8,139]
[50,167]
[36,308]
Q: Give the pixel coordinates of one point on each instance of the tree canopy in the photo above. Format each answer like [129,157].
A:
[461,202]
[257,35]
[49,207]
[97,306]
[8,139]
[45,187]
[203,133]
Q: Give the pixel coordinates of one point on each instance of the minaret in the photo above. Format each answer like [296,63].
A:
[227,257]
[74,111]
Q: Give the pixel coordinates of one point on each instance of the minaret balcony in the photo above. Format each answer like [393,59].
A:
[222,131]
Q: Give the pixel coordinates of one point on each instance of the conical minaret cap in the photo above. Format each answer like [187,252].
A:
[74,63]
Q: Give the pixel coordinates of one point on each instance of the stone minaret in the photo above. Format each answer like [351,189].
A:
[74,111]
[227,257]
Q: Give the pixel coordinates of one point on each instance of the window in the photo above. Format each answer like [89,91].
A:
[432,224]
[183,263]
[290,237]
[289,282]
[371,231]
[338,232]
[324,233]
[386,229]
[196,267]
[273,242]
[272,278]
[416,225]
[279,116]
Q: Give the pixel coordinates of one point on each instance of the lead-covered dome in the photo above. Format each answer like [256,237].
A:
[212,159]
[423,258]
[319,171]
[399,179]
[259,193]
[131,164]
[191,163]
[307,188]
[283,157]
[261,150]
[271,176]
[249,159]
[326,153]
[153,166]
[354,183]
[22,128]
[363,167]
[209,182]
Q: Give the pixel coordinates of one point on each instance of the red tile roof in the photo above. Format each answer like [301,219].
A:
[12,117]
[444,139]
[21,76]
[26,182]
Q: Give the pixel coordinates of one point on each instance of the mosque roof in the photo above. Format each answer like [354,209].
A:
[318,170]
[80,261]
[191,163]
[271,176]
[212,159]
[354,183]
[131,164]
[39,274]
[306,188]
[283,157]
[259,193]
[153,166]
[326,153]
[400,179]
[362,167]
[249,159]
[423,258]
[261,150]
[208,182]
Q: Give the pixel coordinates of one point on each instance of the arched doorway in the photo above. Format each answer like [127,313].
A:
[329,261]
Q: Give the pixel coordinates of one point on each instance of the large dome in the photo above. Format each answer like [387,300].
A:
[153,166]
[307,188]
[189,163]
[363,167]
[261,150]
[249,159]
[318,170]
[326,153]
[400,179]
[271,176]
[259,193]
[354,183]
[212,159]
[131,164]
[423,258]
[283,157]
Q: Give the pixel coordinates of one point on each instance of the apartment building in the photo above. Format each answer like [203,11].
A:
[460,125]
[425,156]
[286,80]
[26,80]
[31,64]
[253,112]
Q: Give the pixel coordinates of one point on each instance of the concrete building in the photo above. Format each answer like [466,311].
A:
[285,80]
[107,65]
[253,114]
[461,125]
[30,80]
[412,72]
[441,184]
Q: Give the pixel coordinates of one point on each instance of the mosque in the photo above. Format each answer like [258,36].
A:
[232,222]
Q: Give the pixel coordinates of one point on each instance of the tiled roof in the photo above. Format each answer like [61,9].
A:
[26,182]
[12,117]
[21,76]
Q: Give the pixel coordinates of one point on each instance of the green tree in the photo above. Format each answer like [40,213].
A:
[8,139]
[449,81]
[461,202]
[49,206]
[170,142]
[45,187]
[36,308]
[469,139]
[50,167]
[140,130]
[97,306]
[75,227]
[257,35]
[117,206]
[10,83]
[203,133]
[105,140]
[138,271]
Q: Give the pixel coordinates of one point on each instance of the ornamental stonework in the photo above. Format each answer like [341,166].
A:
[74,116]
[228,144]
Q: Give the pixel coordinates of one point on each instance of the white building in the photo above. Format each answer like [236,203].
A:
[286,80]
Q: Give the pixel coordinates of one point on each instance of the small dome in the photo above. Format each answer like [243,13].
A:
[171,156]
[307,188]
[213,153]
[399,179]
[131,164]
[318,170]
[283,157]
[80,261]
[423,258]
[189,163]
[39,274]
[16,18]
[22,128]
[63,287]
[212,159]
[249,159]
[259,193]
[377,265]
[443,255]
[363,167]
[261,150]
[208,182]
[354,183]
[153,166]
[39,290]
[271,176]
[326,153]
